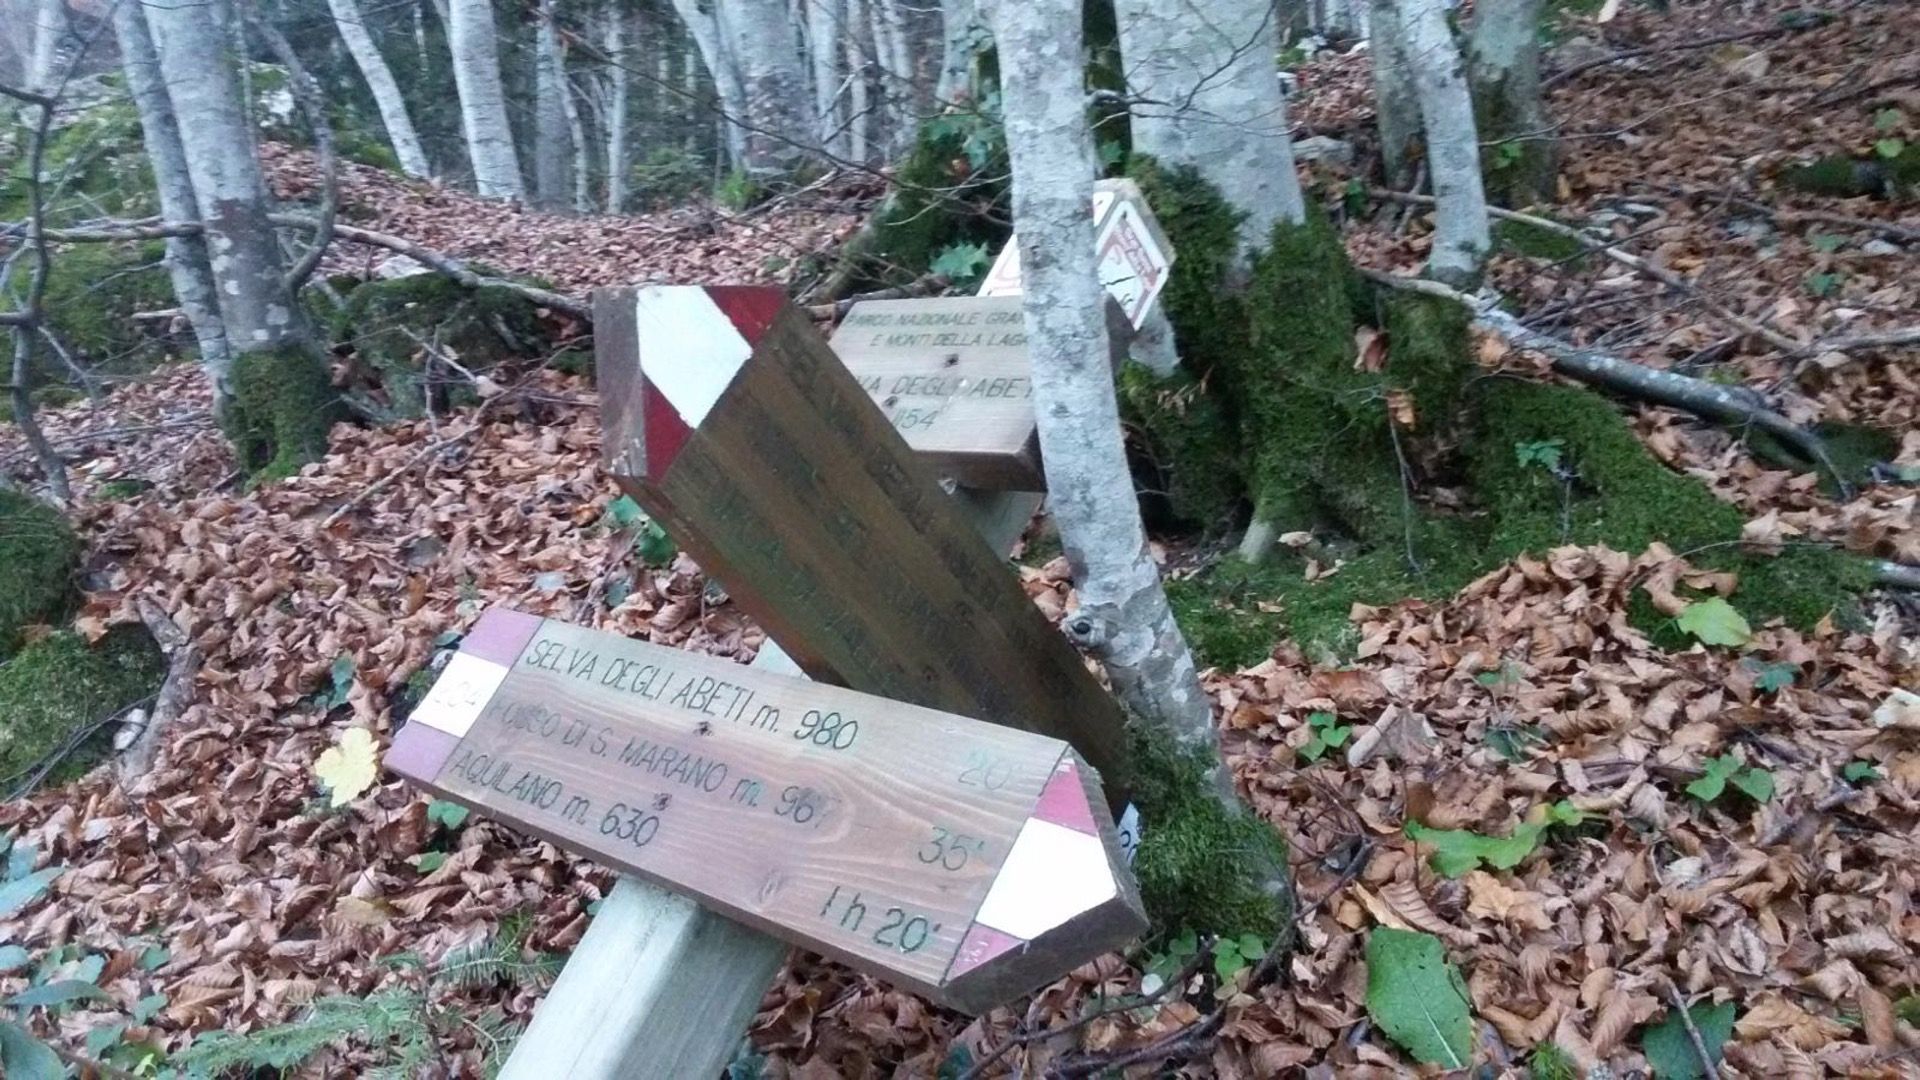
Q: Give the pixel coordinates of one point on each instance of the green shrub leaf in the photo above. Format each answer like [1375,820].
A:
[1715,622]
[1417,999]
[1669,1048]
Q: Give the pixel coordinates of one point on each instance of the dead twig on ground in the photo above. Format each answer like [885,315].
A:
[925,285]
[175,694]
[1707,1066]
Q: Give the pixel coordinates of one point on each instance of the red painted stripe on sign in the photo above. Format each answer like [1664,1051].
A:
[501,635]
[982,943]
[418,752]
[662,428]
[1064,800]
[751,307]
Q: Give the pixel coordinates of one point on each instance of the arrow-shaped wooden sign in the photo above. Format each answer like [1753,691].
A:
[962,860]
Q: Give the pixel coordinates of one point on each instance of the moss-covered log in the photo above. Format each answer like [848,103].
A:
[393,325]
[38,555]
[56,687]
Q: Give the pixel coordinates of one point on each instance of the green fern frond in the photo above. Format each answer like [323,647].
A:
[501,956]
[377,1020]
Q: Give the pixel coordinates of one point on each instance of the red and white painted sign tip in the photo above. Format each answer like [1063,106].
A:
[693,340]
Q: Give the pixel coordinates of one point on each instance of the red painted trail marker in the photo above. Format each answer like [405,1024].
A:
[962,860]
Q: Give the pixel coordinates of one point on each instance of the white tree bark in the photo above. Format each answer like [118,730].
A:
[187,265]
[483,104]
[1123,615]
[244,255]
[760,40]
[49,25]
[895,54]
[386,93]
[1461,236]
[1396,105]
[552,148]
[1211,98]
[615,44]
[856,40]
[962,36]
[704,27]
[826,22]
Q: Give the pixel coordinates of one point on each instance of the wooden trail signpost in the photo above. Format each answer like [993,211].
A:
[965,861]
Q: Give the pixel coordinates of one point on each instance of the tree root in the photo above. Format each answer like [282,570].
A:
[1727,404]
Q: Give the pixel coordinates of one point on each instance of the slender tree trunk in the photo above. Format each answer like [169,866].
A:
[1461,237]
[1396,104]
[1211,98]
[1503,66]
[582,171]
[859,99]
[704,28]
[386,93]
[826,22]
[1123,615]
[895,53]
[483,104]
[758,36]
[962,36]
[187,265]
[279,404]
[618,167]
[49,25]
[551,152]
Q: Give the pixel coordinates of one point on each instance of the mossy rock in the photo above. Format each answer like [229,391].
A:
[1842,176]
[385,322]
[93,291]
[38,555]
[100,155]
[282,408]
[57,686]
[1187,446]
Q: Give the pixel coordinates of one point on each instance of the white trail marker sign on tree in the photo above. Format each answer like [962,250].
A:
[961,860]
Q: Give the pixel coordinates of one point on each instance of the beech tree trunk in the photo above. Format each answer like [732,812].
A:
[615,45]
[1395,102]
[277,401]
[704,27]
[483,104]
[1503,66]
[187,265]
[552,147]
[49,24]
[759,38]
[962,35]
[386,93]
[1461,236]
[1210,97]
[826,22]
[1123,616]
[895,54]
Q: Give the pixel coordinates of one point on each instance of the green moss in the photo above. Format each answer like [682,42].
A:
[1222,618]
[58,685]
[1199,866]
[93,291]
[1516,160]
[949,190]
[38,555]
[1840,176]
[1855,449]
[1535,242]
[281,410]
[1191,450]
[99,155]
[386,323]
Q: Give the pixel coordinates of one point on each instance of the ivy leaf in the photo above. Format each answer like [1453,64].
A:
[349,768]
[24,1057]
[148,1007]
[625,512]
[1715,622]
[1417,999]
[1669,1048]
[1859,772]
[21,891]
[1719,771]
[57,993]
[341,676]
[961,261]
[449,814]
[1827,243]
[1456,851]
[1771,678]
[1757,783]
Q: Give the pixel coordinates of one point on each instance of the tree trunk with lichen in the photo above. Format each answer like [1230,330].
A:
[276,403]
[1395,105]
[1461,237]
[380,82]
[483,103]
[1515,133]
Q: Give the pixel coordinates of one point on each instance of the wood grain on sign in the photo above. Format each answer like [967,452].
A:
[731,421]
[962,860]
[952,375]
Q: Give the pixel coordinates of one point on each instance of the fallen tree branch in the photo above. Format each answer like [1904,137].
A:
[1727,404]
[176,692]
[1656,272]
[307,93]
[926,285]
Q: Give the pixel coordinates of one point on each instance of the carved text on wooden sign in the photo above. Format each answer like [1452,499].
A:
[962,860]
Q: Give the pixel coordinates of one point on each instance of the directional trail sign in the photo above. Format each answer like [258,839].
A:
[729,419]
[962,860]
[1133,255]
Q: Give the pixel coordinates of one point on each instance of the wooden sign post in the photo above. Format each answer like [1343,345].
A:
[964,861]
[1133,254]
[730,420]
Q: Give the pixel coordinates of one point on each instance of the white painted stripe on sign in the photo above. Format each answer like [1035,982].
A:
[1051,875]
[464,689]
[689,350]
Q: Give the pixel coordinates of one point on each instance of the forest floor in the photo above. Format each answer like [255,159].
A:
[1528,688]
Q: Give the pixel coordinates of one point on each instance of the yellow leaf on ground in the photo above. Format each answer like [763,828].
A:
[349,768]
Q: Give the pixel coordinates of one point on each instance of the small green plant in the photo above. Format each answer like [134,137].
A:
[962,263]
[1859,772]
[738,190]
[1827,243]
[1545,454]
[1890,147]
[1771,678]
[1456,851]
[1756,783]
[1328,734]
[1417,999]
[1235,955]
[447,815]
[1512,741]
[1889,119]
[1549,1062]
[1669,1046]
[339,684]
[650,541]
[1823,283]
